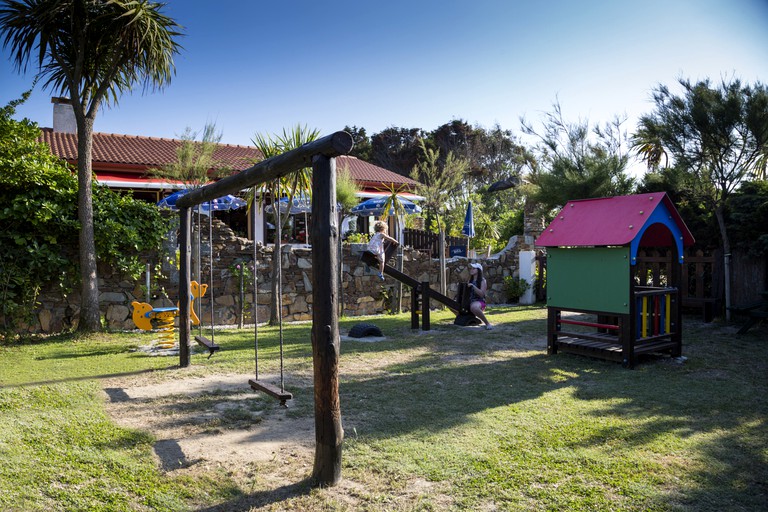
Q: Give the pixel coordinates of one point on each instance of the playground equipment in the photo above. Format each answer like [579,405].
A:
[147,317]
[321,154]
[421,293]
[592,250]
[208,344]
[255,383]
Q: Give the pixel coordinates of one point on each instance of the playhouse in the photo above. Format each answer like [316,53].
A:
[598,303]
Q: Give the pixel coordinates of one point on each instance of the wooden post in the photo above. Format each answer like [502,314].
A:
[185,276]
[329,435]
[415,292]
[553,317]
[425,293]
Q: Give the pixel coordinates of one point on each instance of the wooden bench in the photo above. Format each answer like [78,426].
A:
[755,311]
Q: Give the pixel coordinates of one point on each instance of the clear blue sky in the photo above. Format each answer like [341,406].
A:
[261,66]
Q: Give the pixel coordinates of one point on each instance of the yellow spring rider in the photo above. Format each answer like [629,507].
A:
[146,317]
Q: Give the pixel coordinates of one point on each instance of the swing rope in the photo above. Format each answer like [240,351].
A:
[210,259]
[279,288]
[209,344]
[256,384]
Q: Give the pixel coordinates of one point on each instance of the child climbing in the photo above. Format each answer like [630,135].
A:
[376,245]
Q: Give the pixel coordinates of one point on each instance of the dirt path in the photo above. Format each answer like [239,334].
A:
[200,422]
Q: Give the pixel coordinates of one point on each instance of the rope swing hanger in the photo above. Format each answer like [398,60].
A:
[256,384]
[209,344]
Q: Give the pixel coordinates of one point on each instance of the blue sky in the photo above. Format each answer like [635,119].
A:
[257,67]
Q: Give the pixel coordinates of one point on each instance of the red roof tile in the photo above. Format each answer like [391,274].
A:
[138,153]
[363,171]
[133,150]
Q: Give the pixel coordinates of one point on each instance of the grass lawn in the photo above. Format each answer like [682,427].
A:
[450,419]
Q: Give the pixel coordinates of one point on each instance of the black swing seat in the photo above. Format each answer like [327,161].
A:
[205,342]
[266,387]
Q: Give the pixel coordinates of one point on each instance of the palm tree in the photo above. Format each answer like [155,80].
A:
[346,198]
[439,184]
[92,51]
[290,185]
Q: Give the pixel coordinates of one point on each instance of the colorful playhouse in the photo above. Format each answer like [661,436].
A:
[596,304]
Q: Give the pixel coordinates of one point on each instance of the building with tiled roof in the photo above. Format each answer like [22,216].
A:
[122,162]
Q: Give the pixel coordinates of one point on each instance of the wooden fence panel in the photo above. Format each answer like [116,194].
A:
[427,241]
[749,277]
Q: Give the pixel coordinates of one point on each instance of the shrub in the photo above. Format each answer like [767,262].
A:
[38,194]
[515,287]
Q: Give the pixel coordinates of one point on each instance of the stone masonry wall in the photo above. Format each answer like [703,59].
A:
[363,292]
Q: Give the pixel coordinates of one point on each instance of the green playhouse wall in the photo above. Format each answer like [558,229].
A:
[589,278]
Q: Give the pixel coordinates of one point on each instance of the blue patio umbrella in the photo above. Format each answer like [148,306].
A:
[375,206]
[469,222]
[228,202]
[300,204]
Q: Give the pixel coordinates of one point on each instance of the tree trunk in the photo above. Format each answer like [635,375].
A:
[90,316]
[720,216]
[340,265]
[441,256]
[275,313]
[277,276]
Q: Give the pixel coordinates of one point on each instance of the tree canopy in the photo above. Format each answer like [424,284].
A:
[716,134]
[577,160]
[92,51]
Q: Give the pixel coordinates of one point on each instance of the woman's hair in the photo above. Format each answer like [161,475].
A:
[379,226]
[479,278]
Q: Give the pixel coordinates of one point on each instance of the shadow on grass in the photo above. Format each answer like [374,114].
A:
[53,381]
[249,502]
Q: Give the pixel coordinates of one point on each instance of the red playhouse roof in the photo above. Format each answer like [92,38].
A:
[618,221]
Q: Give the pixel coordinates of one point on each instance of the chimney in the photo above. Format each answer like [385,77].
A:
[63,116]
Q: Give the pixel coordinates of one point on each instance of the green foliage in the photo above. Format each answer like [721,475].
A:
[357,238]
[38,194]
[748,218]
[515,287]
[717,134]
[194,159]
[510,224]
[576,161]
[125,228]
[362,148]
[346,189]
[677,183]
[242,269]
[91,52]
[37,198]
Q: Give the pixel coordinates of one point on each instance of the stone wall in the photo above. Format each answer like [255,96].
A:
[363,292]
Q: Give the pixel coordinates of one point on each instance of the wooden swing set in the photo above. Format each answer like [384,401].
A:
[320,154]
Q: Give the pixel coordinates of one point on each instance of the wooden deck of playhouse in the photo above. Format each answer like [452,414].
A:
[616,337]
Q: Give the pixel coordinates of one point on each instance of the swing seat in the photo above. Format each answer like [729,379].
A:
[208,344]
[260,385]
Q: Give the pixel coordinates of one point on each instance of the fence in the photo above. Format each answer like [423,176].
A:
[701,277]
[429,242]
